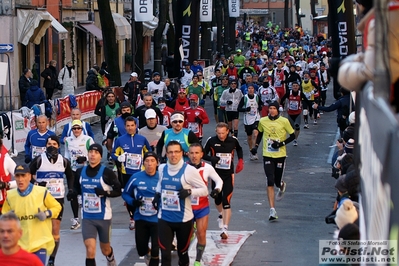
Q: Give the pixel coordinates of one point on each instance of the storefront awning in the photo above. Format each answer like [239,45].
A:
[150,26]
[92,29]
[32,25]
[122,26]
[62,32]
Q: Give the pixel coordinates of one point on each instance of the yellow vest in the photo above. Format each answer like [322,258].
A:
[264,45]
[247,36]
[36,234]
[307,89]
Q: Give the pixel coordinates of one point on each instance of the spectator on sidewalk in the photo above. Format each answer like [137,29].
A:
[34,95]
[24,84]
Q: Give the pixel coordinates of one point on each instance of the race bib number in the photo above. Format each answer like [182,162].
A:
[170,200]
[269,146]
[194,200]
[147,209]
[194,127]
[232,77]
[133,161]
[308,95]
[36,151]
[56,187]
[165,121]
[92,203]
[252,112]
[294,105]
[277,83]
[224,162]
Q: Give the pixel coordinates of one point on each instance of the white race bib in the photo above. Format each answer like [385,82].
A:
[224,162]
[269,146]
[147,209]
[92,203]
[194,200]
[133,161]
[194,127]
[294,105]
[36,151]
[56,187]
[170,200]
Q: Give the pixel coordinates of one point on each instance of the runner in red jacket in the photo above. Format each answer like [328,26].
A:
[195,117]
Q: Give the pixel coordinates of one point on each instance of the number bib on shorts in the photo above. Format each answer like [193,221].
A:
[224,162]
[194,200]
[133,161]
[92,203]
[170,200]
[147,209]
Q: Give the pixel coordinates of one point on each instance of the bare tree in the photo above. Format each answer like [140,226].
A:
[109,41]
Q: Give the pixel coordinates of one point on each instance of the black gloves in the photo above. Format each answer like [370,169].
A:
[42,183]
[198,120]
[28,159]
[248,109]
[254,150]
[81,159]
[71,195]
[184,193]
[229,102]
[276,144]
[100,192]
[138,202]
[215,160]
[155,201]
[3,185]
[214,193]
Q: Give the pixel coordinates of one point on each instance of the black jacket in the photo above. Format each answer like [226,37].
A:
[91,80]
[24,85]
[52,73]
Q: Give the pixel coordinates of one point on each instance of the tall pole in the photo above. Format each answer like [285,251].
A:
[133,39]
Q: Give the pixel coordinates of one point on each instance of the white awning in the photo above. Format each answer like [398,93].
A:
[32,26]
[122,26]
[62,32]
[150,26]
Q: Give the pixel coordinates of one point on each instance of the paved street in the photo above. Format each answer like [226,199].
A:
[291,240]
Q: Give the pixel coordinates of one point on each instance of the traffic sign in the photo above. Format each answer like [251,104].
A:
[6,48]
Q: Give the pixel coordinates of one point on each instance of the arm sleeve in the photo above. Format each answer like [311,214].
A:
[336,105]
[111,134]
[76,183]
[9,165]
[204,117]
[160,144]
[223,100]
[111,179]
[34,165]
[192,138]
[207,149]
[216,178]
[159,114]
[193,178]
[69,174]
[128,191]
[240,107]
[160,171]
[116,150]
[52,205]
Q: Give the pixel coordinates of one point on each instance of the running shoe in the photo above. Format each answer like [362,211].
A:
[281,191]
[132,224]
[224,235]
[273,214]
[220,221]
[251,157]
[197,263]
[306,126]
[110,160]
[256,157]
[147,259]
[295,142]
[75,224]
[50,263]
[112,262]
[315,122]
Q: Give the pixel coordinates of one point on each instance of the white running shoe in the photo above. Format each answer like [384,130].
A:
[147,258]
[224,234]
[306,126]
[220,221]
[295,142]
[281,191]
[273,214]
[315,122]
[251,157]
[112,262]
[75,223]
[256,157]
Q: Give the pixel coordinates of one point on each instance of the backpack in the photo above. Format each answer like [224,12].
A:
[72,101]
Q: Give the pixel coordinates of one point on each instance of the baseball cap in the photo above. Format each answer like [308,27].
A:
[134,74]
[21,169]
[161,99]
[238,50]
[125,104]
[77,123]
[96,147]
[143,88]
[150,113]
[324,52]
[150,154]
[156,74]
[279,62]
[194,97]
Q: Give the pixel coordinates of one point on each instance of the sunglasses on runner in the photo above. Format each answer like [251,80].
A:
[177,121]
[76,128]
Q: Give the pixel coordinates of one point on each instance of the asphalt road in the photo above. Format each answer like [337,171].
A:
[294,238]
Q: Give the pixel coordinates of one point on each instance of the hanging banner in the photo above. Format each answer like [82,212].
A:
[206,10]
[341,27]
[234,8]
[143,10]
[187,32]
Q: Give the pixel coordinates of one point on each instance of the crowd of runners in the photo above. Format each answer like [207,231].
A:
[157,160]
